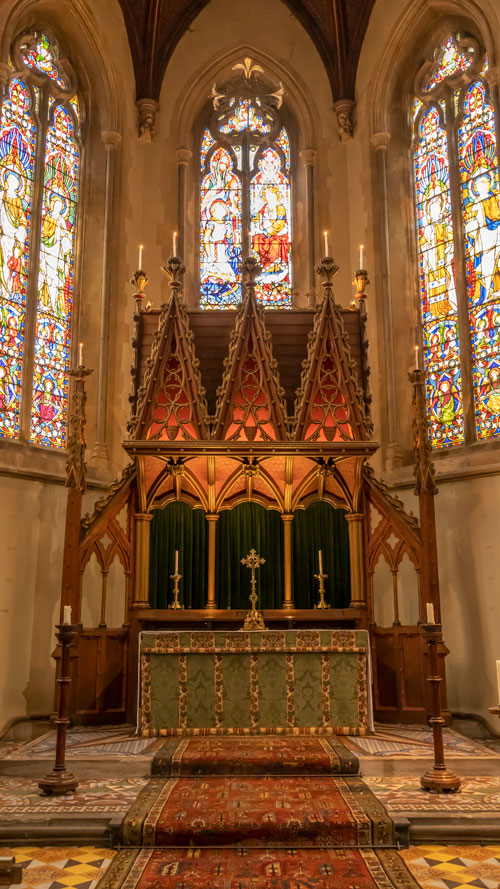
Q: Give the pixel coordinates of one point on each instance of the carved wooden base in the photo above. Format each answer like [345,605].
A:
[57,782]
[438,780]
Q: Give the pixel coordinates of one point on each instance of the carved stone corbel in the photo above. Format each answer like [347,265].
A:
[147,109]
[344,110]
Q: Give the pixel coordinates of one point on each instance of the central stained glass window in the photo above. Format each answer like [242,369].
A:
[458,226]
[245,206]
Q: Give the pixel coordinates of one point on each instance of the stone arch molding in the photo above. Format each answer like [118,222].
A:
[194,97]
[419,26]
[75,25]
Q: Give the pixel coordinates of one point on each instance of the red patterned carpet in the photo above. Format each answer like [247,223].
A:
[257,869]
[257,811]
[289,755]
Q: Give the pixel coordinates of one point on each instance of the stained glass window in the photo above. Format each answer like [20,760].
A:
[245,200]
[38,202]
[458,226]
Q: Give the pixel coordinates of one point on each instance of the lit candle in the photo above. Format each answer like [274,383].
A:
[430,613]
[320,560]
[141,248]
[361,248]
[176,562]
[174,244]
[80,355]
[498,679]
[417,357]
[67,614]
[327,251]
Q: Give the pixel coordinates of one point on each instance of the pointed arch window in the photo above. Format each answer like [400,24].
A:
[458,227]
[245,193]
[39,175]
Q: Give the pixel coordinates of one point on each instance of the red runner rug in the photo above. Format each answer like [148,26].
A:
[257,811]
[202,868]
[268,755]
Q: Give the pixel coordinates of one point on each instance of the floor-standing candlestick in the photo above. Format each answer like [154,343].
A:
[176,577]
[439,779]
[59,780]
[254,619]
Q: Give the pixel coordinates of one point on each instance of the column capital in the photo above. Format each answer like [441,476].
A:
[212,517]
[111,138]
[183,156]
[308,156]
[354,516]
[287,516]
[143,516]
[491,76]
[380,141]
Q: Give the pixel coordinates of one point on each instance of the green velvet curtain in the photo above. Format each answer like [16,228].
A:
[247,526]
[320,526]
[178,527]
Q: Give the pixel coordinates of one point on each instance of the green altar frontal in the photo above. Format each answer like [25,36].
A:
[281,682]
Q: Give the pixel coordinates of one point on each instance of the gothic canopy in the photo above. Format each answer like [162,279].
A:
[337,28]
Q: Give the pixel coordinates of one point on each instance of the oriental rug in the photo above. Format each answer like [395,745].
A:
[256,811]
[254,756]
[266,868]
[270,682]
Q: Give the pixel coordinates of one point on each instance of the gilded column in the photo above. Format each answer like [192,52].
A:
[308,156]
[100,453]
[212,519]
[141,590]
[183,156]
[380,143]
[357,562]
[287,523]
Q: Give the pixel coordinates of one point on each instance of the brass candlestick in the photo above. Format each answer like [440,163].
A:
[254,619]
[59,780]
[176,604]
[439,779]
[321,578]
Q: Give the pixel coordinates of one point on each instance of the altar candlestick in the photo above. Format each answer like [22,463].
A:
[141,248]
[327,249]
[177,561]
[320,560]
[498,679]
[80,355]
[361,248]
[174,244]
[430,613]
[67,615]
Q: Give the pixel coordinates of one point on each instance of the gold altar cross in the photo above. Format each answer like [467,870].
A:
[254,619]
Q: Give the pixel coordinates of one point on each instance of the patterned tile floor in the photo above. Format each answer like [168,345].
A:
[480,794]
[434,867]
[21,796]
[58,867]
[447,867]
[118,742]
[415,742]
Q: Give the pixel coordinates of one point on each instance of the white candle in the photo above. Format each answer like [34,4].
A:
[80,355]
[430,613]
[361,248]
[67,614]
[327,251]
[417,357]
[174,244]
[320,560]
[176,562]
[498,679]
[141,248]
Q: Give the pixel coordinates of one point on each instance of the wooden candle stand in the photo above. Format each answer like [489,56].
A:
[439,779]
[59,780]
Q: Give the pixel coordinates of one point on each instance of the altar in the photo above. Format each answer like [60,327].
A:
[278,682]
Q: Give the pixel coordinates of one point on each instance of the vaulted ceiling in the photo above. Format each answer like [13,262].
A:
[337,28]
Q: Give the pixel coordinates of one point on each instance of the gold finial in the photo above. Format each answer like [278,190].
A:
[248,68]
